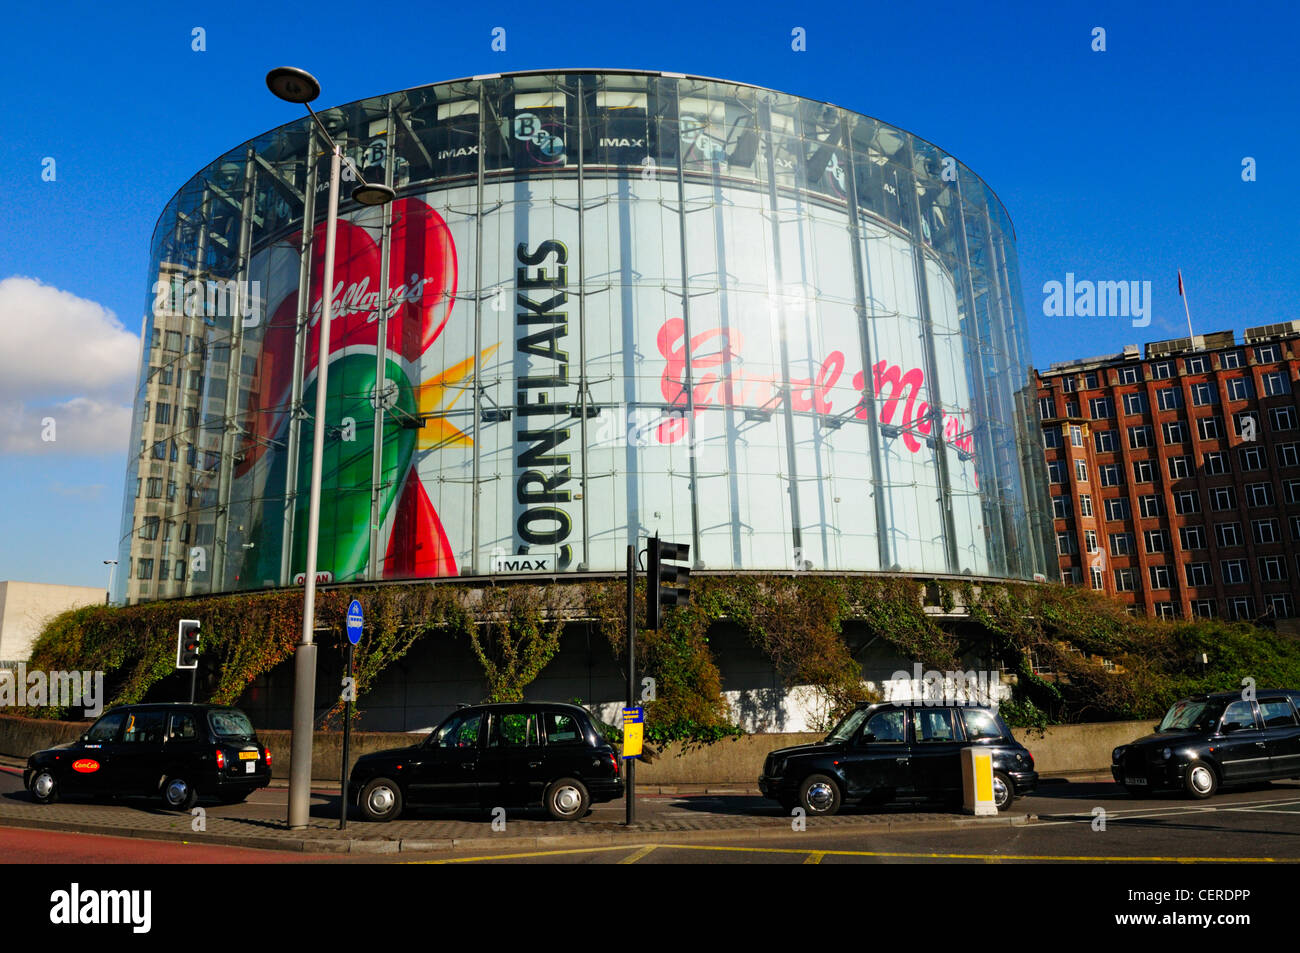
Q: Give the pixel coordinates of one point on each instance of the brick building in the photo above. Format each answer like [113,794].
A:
[1175,475]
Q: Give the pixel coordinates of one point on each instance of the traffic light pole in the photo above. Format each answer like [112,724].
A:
[630,790]
[194,676]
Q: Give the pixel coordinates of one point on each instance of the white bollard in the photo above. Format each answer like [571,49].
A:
[977,781]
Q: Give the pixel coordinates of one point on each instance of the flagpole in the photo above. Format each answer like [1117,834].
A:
[1182,293]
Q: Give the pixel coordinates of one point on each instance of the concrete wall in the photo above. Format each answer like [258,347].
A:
[1065,748]
[26,606]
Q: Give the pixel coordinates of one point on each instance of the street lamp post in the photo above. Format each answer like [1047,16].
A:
[108,595]
[298,86]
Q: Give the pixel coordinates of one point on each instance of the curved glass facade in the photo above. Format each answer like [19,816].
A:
[604,305]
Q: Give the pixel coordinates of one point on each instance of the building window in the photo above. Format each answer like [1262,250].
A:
[1081,471]
[1109,474]
[1124,579]
[1135,403]
[1282,418]
[1106,441]
[1209,428]
[1055,471]
[1259,494]
[1085,504]
[1100,408]
[1121,544]
[1223,498]
[144,569]
[1051,438]
[1046,408]
[1157,541]
[1067,384]
[1076,435]
[1228,534]
[1280,605]
[1198,574]
[1150,505]
[1291,489]
[1159,576]
[1204,608]
[1251,458]
[1241,607]
[1272,568]
[1231,360]
[1203,394]
[1187,501]
[1239,418]
[1061,507]
[1165,610]
[1295,528]
[1180,468]
[1117,509]
[1288,455]
[1171,398]
[1065,545]
[1192,537]
[1196,365]
[1274,384]
[155,488]
[1130,375]
[1139,437]
[1098,581]
[1234,572]
[149,528]
[1174,431]
[179,574]
[1238,388]
[1090,541]
[1267,354]
[173,341]
[1266,531]
[1162,371]
[1216,463]
[1142,471]
[1090,380]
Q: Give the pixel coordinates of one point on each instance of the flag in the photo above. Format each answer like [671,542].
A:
[1180,284]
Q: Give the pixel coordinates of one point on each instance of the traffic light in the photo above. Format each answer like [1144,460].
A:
[663,578]
[187,644]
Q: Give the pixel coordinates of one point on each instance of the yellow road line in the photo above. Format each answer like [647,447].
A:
[633,857]
[815,857]
[905,855]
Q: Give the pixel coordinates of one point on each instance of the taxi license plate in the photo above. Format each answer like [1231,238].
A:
[1138,782]
[248,756]
[250,767]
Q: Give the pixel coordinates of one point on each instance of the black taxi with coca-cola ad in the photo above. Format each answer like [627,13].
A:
[1208,741]
[178,752]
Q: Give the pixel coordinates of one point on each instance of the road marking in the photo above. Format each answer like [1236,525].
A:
[815,857]
[633,857]
[905,855]
[1163,812]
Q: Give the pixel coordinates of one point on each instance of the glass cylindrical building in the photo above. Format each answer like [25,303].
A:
[604,305]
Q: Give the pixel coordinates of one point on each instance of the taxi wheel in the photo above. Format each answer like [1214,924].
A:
[1201,781]
[567,799]
[44,787]
[381,800]
[1004,790]
[819,795]
[178,793]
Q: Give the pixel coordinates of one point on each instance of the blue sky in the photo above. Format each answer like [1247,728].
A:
[1116,165]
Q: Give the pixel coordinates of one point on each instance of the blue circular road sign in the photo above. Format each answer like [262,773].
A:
[354,622]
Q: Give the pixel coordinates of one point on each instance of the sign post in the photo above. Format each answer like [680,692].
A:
[355,620]
[629,795]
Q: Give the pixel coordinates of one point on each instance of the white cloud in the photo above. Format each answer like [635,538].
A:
[67,372]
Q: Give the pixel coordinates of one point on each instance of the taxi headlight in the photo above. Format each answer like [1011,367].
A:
[1117,753]
[1167,753]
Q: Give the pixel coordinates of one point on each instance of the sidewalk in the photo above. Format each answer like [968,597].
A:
[260,822]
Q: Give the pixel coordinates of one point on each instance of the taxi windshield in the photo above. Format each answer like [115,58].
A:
[847,728]
[1189,714]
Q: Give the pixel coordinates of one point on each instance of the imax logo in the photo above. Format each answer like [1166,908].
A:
[522,564]
[622,143]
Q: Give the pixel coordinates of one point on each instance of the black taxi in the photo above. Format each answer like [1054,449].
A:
[485,756]
[1208,741]
[889,752]
[179,752]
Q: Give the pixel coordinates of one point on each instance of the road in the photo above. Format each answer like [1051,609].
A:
[1083,823]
